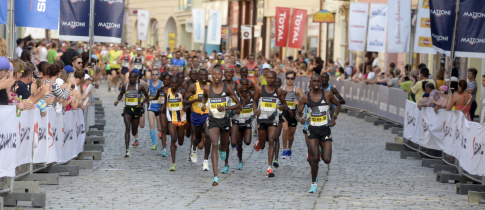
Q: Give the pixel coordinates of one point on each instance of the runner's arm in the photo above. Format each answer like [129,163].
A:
[255,100]
[190,92]
[234,98]
[282,95]
[333,101]
[299,111]
[337,94]
[147,97]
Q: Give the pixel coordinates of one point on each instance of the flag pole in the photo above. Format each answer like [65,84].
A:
[453,41]
[91,28]
[10,29]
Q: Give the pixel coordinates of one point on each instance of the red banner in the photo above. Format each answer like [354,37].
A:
[282,25]
[297,30]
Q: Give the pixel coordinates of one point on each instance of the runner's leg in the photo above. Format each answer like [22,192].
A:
[214,133]
[327,151]
[164,125]
[272,132]
[127,119]
[285,134]
[313,157]
[291,136]
[172,130]
[151,122]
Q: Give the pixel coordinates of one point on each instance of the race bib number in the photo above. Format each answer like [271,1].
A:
[161,99]
[291,104]
[218,102]
[268,104]
[131,101]
[251,73]
[175,104]
[138,66]
[319,119]
[115,61]
[124,64]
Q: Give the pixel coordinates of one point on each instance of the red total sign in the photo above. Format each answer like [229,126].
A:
[297,30]
[282,25]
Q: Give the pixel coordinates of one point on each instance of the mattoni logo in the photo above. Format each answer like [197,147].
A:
[474,15]
[109,25]
[440,38]
[440,12]
[377,28]
[378,13]
[112,1]
[73,24]
[473,41]
[376,43]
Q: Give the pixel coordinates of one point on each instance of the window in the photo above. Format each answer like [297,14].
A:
[185,4]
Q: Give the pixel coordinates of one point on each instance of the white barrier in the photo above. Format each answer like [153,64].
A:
[31,138]
[450,132]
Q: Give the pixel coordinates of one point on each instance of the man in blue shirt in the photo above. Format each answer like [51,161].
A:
[178,61]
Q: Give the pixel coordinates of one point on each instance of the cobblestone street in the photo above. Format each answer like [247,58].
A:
[362,174]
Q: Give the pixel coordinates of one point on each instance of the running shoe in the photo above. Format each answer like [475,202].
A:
[127,154]
[154,147]
[205,166]
[164,153]
[283,156]
[193,156]
[216,181]
[269,173]
[240,166]
[173,167]
[136,143]
[222,154]
[256,146]
[225,169]
[275,163]
[313,188]
[288,153]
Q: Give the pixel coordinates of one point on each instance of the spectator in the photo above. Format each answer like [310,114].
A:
[23,86]
[5,82]
[461,100]
[406,83]
[441,103]
[348,69]
[70,53]
[472,88]
[26,56]
[3,47]
[343,74]
[359,76]
[318,69]
[454,70]
[42,52]
[421,65]
[440,78]
[302,69]
[396,74]
[52,54]
[433,95]
[331,68]
[178,61]
[51,74]
[407,69]
[375,57]
[454,84]
[18,50]
[417,87]
[392,66]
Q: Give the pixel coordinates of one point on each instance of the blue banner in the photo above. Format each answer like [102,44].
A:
[442,18]
[470,41]
[108,20]
[74,20]
[3,11]
[37,13]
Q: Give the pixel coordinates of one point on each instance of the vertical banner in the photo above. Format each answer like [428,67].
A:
[297,28]
[282,25]
[26,133]
[171,40]
[214,27]
[37,13]
[69,142]
[198,16]
[108,20]
[143,22]
[40,138]
[442,20]
[422,39]
[9,139]
[377,31]
[3,11]
[358,25]
[74,20]
[470,39]
[399,25]
[246,32]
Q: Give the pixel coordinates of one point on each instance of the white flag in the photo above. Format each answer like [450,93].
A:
[358,25]
[376,36]
[214,27]
[143,22]
[399,25]
[198,16]
[422,40]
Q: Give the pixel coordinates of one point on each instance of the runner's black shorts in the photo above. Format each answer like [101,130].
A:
[266,125]
[243,126]
[322,133]
[134,112]
[291,119]
[124,70]
[223,124]
[156,113]
[115,70]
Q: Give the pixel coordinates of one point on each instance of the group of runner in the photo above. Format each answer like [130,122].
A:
[216,110]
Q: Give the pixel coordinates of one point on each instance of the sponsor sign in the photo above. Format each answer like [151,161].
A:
[442,19]
[108,21]
[37,13]
[143,23]
[297,28]
[377,31]
[282,25]
[422,38]
[198,16]
[399,23]
[358,25]
[74,20]
[214,27]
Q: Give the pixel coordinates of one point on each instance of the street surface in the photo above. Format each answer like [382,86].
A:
[362,174]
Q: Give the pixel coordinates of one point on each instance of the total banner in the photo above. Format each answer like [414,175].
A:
[37,13]
[358,25]
[282,25]
[108,20]
[74,21]
[143,22]
[399,25]
[214,27]
[297,28]
[377,31]
[198,16]
[442,19]
[448,131]
[422,39]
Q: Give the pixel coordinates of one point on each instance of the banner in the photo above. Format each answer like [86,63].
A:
[377,31]
[74,21]
[198,15]
[143,22]
[3,11]
[282,26]
[52,132]
[37,14]
[442,20]
[26,133]
[422,39]
[470,41]
[108,21]
[399,25]
[358,25]
[297,28]
[9,141]
[40,138]
[246,32]
[214,27]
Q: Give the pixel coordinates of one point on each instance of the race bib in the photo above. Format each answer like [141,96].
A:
[131,101]
[138,66]
[175,104]
[268,104]
[161,99]
[290,104]
[115,61]
[216,102]
[319,119]
[251,73]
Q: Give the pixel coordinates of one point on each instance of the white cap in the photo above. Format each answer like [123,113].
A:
[219,53]
[86,77]
[138,49]
[453,79]
[266,66]
[211,57]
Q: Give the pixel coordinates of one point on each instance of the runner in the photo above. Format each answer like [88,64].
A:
[149,62]
[125,59]
[138,62]
[153,115]
[266,98]
[278,84]
[175,116]
[141,122]
[157,61]
[217,95]
[229,81]
[319,133]
[199,117]
[132,111]
[113,57]
[188,125]
[163,113]
[293,94]
[241,124]
[325,78]
[244,74]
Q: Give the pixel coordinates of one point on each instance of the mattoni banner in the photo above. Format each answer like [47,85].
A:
[143,23]
[297,28]
[422,39]
[37,13]
[470,41]
[74,21]
[282,25]
[399,25]
[442,19]
[108,20]
[198,16]
[377,31]
[214,27]
[358,25]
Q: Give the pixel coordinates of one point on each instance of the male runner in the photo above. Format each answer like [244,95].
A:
[175,116]
[132,110]
[229,80]
[188,126]
[244,74]
[125,65]
[217,96]
[319,133]
[241,124]
[293,94]
[113,57]
[153,115]
[138,62]
[163,112]
[266,98]
[199,117]
[278,83]
[325,78]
